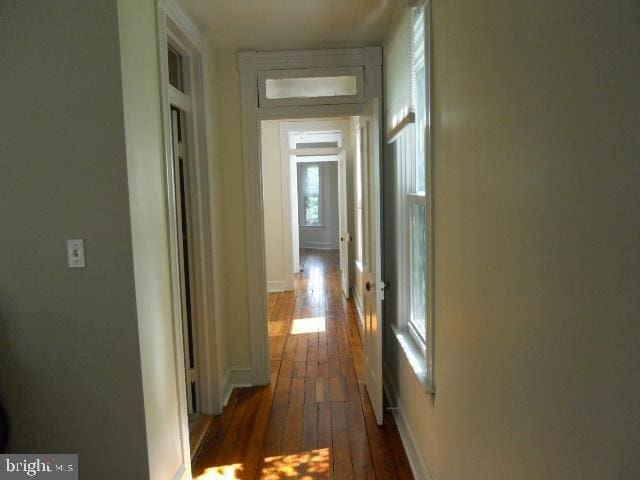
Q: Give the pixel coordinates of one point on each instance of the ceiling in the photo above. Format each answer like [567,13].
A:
[284,24]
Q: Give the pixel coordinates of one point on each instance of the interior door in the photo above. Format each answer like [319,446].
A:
[178,140]
[343,220]
[372,268]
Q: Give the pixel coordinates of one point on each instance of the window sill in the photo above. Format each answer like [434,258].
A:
[414,356]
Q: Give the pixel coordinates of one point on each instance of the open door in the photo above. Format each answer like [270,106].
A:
[372,265]
[345,238]
[178,141]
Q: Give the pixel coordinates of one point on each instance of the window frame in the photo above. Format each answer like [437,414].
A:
[417,343]
[303,221]
[414,327]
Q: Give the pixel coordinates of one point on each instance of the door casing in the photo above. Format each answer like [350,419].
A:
[251,65]
[175,27]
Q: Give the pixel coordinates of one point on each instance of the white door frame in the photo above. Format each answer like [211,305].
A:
[175,27]
[251,64]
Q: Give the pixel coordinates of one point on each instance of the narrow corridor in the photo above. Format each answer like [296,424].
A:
[315,419]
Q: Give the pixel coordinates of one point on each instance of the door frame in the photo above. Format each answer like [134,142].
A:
[178,116]
[175,27]
[251,64]
[373,294]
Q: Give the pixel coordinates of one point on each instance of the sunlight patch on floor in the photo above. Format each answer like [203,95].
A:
[316,280]
[303,465]
[308,325]
[225,472]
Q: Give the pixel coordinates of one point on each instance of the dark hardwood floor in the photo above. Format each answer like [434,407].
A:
[314,421]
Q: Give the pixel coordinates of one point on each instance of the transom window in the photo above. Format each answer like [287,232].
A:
[310,86]
[176,68]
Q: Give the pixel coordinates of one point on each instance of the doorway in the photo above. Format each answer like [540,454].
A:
[307,194]
[277,85]
[321,190]
[190,217]
[185,255]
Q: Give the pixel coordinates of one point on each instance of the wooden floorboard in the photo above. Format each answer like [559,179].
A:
[314,421]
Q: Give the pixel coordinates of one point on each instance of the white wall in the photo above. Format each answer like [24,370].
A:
[228,193]
[326,236]
[273,205]
[537,263]
[70,374]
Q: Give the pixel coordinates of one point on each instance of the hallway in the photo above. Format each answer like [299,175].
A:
[314,420]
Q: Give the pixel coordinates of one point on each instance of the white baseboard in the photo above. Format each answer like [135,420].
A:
[418,464]
[275,286]
[360,319]
[234,378]
[319,246]
[181,474]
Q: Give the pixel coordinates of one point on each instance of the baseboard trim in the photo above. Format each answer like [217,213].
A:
[360,319]
[198,436]
[181,474]
[235,377]
[275,286]
[319,246]
[417,462]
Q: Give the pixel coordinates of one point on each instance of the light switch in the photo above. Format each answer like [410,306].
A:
[75,253]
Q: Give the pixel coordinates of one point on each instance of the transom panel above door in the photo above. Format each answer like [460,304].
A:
[311,86]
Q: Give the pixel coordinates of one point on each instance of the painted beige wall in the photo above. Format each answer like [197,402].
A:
[70,373]
[216,202]
[272,196]
[227,171]
[537,261]
[149,233]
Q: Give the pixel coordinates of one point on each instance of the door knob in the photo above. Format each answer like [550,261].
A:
[368,286]
[342,239]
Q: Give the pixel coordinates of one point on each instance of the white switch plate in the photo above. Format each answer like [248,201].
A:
[75,253]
